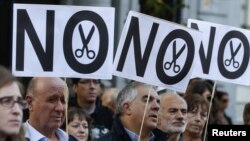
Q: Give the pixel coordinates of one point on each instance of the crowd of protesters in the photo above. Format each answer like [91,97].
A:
[93,113]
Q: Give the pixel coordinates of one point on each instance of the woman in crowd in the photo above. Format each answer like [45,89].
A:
[223,100]
[201,87]
[246,114]
[11,106]
[196,117]
[79,125]
[205,88]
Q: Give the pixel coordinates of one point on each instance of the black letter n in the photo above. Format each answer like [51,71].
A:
[206,61]
[133,32]
[24,24]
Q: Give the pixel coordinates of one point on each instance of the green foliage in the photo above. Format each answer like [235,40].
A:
[164,9]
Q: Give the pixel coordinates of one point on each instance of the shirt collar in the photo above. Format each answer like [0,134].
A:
[135,137]
[35,135]
[32,133]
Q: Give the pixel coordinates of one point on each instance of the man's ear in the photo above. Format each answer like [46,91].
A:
[29,100]
[127,109]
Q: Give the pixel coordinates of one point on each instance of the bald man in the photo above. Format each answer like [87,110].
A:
[172,115]
[47,105]
[109,98]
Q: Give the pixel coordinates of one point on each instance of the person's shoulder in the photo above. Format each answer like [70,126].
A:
[106,137]
[229,119]
[160,135]
[25,127]
[72,138]
[62,134]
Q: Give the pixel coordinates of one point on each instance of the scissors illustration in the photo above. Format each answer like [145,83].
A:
[79,52]
[233,54]
[176,68]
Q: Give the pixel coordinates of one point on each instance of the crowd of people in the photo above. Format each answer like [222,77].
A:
[136,112]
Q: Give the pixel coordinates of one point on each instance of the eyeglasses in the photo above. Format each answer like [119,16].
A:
[85,81]
[9,102]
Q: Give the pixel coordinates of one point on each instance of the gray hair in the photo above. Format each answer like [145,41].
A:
[127,95]
[168,94]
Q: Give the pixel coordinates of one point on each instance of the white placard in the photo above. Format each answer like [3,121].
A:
[223,52]
[156,52]
[63,41]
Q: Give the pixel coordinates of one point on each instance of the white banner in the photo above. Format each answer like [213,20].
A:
[223,52]
[63,41]
[156,52]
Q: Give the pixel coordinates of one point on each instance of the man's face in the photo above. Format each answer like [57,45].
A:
[47,107]
[87,90]
[138,106]
[196,120]
[173,114]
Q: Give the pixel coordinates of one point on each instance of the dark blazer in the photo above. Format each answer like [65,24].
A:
[160,135]
[118,133]
[71,138]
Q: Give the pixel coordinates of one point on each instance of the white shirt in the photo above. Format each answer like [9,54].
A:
[135,137]
[34,135]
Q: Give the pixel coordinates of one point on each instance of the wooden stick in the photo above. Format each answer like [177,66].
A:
[209,110]
[144,114]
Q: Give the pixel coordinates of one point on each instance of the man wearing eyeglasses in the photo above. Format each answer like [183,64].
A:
[87,92]
[47,105]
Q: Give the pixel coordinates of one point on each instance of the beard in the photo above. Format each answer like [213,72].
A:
[172,128]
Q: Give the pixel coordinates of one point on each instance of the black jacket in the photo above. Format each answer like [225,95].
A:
[118,133]
[160,135]
[71,138]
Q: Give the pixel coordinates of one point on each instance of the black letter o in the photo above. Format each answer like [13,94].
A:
[103,44]
[163,77]
[243,66]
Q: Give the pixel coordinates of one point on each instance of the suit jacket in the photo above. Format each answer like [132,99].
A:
[118,133]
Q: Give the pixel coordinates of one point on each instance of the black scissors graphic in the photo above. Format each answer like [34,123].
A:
[176,68]
[233,54]
[79,52]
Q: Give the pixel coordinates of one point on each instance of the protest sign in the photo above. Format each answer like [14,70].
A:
[223,52]
[156,51]
[62,41]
